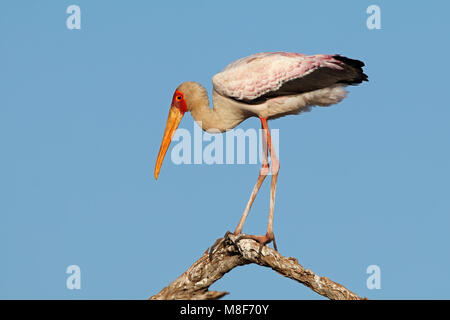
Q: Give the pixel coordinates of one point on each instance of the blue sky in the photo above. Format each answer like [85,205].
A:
[82,114]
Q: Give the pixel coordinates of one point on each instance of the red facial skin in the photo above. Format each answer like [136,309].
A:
[179,102]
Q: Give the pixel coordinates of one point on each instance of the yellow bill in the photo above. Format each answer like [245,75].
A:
[173,120]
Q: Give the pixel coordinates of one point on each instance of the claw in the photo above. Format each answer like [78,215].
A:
[214,246]
[218,243]
[263,240]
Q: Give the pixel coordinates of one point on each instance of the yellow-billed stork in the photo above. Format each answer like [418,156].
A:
[266,85]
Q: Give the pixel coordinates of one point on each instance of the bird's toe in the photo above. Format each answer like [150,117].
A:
[218,243]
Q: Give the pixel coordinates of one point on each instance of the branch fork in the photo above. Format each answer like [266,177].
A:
[233,251]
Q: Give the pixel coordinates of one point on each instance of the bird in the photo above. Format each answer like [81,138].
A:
[266,85]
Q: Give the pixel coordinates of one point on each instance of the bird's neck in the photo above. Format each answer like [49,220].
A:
[222,117]
[206,117]
[213,119]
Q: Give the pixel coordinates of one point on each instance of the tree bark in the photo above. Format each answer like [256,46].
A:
[193,284]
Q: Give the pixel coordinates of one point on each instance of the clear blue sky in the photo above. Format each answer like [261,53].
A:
[82,114]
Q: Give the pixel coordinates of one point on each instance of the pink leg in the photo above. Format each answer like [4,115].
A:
[262,175]
[273,187]
[269,237]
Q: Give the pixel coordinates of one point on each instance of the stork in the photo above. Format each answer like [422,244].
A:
[266,85]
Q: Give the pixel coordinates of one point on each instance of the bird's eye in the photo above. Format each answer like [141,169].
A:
[178,98]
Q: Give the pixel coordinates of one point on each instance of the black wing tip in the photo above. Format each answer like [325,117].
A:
[357,65]
[351,62]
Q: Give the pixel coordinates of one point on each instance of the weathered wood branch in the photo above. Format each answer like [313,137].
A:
[193,284]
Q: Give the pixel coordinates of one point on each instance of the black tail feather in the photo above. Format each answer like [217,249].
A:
[357,66]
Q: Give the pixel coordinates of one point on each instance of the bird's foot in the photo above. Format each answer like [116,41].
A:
[219,242]
[263,240]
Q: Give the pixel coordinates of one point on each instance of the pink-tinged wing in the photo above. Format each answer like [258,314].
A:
[262,73]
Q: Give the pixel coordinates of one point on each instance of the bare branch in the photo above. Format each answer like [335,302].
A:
[193,284]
